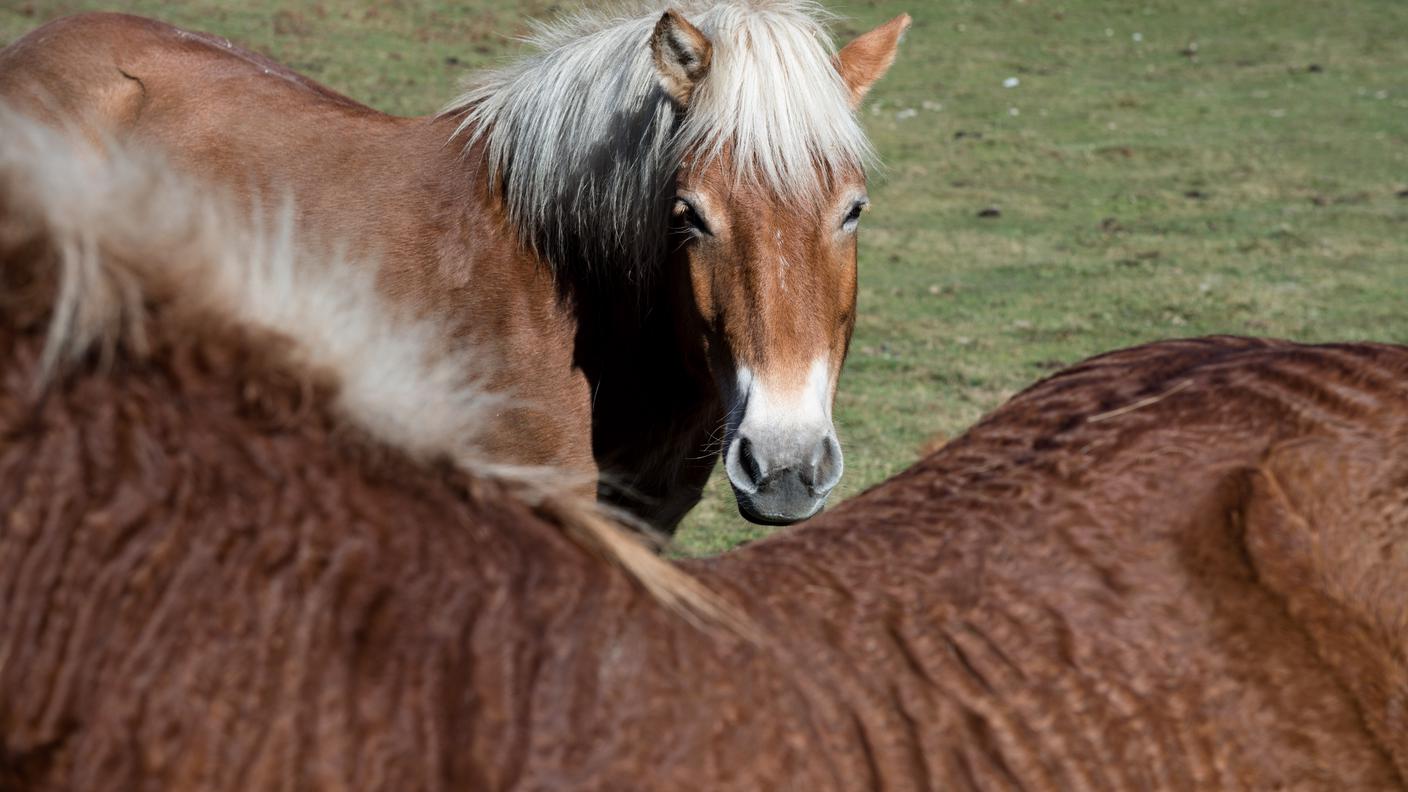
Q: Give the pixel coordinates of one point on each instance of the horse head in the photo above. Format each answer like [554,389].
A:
[767,238]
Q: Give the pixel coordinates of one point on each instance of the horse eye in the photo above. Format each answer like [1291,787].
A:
[853,216]
[684,212]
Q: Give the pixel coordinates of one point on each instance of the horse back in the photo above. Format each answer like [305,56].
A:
[103,68]
[234,118]
[231,115]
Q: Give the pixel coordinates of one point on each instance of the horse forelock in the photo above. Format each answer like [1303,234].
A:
[93,237]
[586,144]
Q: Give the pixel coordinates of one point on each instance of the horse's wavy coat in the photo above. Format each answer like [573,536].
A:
[1180,566]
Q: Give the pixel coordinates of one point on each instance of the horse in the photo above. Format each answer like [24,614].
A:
[1180,566]
[646,228]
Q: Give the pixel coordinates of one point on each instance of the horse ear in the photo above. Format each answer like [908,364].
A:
[865,60]
[682,55]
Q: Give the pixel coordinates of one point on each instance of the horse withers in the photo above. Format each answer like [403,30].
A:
[646,228]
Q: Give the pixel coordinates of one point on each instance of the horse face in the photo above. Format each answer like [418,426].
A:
[774,281]
[772,270]
[772,277]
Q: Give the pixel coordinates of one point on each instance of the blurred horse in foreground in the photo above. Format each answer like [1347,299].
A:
[246,546]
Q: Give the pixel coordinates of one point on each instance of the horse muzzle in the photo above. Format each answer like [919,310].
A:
[782,483]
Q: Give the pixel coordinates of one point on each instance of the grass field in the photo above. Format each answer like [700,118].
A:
[1158,169]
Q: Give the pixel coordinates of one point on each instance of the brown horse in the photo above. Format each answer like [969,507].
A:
[648,227]
[1181,566]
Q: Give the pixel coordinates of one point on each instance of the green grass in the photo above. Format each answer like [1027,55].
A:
[1203,178]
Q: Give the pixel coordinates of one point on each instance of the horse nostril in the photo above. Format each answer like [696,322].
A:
[825,471]
[808,474]
[811,471]
[748,461]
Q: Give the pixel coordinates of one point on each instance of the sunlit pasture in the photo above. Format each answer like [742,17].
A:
[1060,178]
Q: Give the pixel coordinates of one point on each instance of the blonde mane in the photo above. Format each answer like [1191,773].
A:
[124,228]
[586,144]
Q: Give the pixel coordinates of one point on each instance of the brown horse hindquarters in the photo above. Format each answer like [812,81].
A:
[1094,588]
[389,190]
[1077,594]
